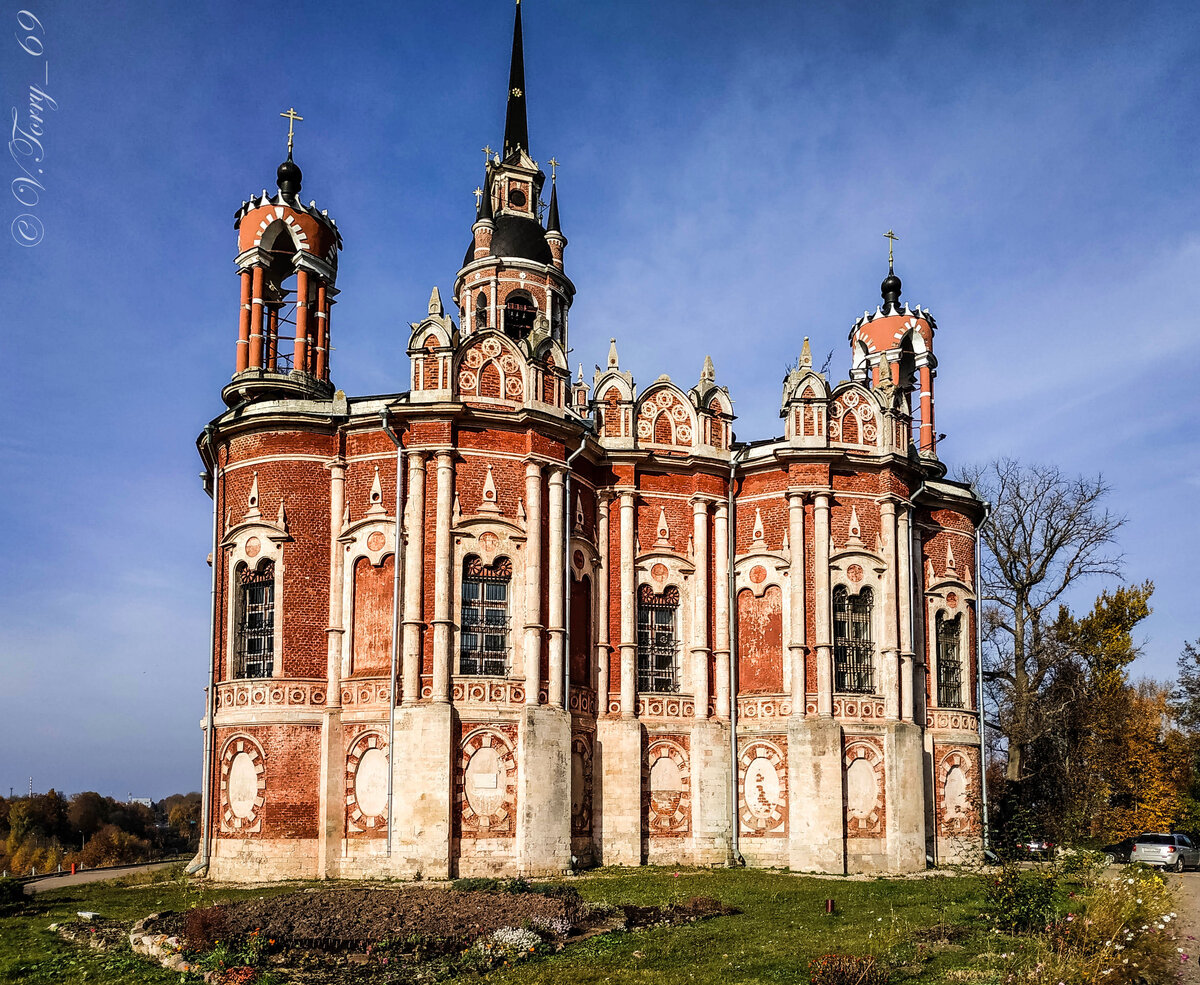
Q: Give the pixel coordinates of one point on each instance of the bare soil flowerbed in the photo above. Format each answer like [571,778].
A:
[402,934]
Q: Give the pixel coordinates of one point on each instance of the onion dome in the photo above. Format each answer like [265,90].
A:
[288,177]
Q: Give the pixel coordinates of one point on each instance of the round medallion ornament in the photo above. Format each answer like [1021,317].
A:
[855,573]
[577,559]
[253,546]
[375,541]
[758,574]
[659,571]
[952,600]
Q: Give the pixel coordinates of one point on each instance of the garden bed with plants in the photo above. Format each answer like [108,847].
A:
[392,934]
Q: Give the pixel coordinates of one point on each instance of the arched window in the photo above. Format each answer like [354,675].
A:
[949,663]
[481,310]
[484,628]
[853,648]
[255,656]
[558,321]
[519,313]
[657,633]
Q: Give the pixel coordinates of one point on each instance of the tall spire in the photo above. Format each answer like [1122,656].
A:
[552,222]
[516,126]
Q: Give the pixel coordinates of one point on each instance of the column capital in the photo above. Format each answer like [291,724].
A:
[532,469]
[700,503]
[558,474]
[795,497]
[416,457]
[335,463]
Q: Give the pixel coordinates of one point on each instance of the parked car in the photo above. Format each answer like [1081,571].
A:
[1174,852]
[1039,847]
[1118,853]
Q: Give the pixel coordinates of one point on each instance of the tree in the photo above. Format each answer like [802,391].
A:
[1185,698]
[1046,531]
[88,812]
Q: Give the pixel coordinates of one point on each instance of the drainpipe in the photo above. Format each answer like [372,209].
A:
[567,572]
[987,513]
[209,480]
[731,546]
[397,557]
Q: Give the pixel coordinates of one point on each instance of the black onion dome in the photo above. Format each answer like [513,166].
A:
[521,238]
[289,176]
[889,290]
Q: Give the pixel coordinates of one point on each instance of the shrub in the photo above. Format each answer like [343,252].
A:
[203,927]
[1020,900]
[846,969]
[12,894]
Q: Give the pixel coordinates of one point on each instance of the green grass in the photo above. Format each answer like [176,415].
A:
[782,926]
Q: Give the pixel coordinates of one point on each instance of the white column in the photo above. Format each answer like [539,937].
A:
[555,615]
[797,636]
[700,608]
[889,675]
[336,631]
[628,640]
[414,583]
[532,648]
[601,595]
[441,577]
[904,577]
[920,646]
[821,599]
[721,606]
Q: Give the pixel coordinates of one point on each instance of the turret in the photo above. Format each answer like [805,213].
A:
[287,264]
[898,339]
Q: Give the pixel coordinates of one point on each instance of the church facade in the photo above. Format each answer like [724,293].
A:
[513,622]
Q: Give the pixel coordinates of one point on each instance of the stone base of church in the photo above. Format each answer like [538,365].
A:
[618,791]
[904,756]
[422,781]
[543,843]
[262,859]
[712,769]
[816,811]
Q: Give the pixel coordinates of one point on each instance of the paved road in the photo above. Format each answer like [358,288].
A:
[1189,925]
[90,875]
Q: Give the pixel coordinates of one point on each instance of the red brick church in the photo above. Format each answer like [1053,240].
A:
[507,621]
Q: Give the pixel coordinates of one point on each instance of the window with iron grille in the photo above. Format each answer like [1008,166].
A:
[483,632]
[657,612]
[949,662]
[256,622]
[853,648]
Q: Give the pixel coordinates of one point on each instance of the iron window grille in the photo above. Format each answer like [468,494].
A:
[256,628]
[853,648]
[949,663]
[656,639]
[483,638]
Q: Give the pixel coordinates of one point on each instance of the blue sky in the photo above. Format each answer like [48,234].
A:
[728,171]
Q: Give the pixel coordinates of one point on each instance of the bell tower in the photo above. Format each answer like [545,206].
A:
[287,265]
[898,339]
[512,278]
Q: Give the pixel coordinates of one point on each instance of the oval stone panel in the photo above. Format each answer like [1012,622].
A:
[762,787]
[666,785]
[370,782]
[862,788]
[955,793]
[243,785]
[484,781]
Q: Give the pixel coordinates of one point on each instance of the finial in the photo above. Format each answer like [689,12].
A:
[478,197]
[435,302]
[806,355]
[612,354]
[487,154]
[580,380]
[708,373]
[553,169]
[891,237]
[291,116]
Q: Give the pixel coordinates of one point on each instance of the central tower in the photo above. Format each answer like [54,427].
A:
[512,278]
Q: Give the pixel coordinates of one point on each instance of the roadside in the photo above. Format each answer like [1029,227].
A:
[91,875]
[1189,925]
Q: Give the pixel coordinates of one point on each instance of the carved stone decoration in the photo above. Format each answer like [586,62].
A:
[367,767]
[866,806]
[955,791]
[668,788]
[762,788]
[485,785]
[581,786]
[243,783]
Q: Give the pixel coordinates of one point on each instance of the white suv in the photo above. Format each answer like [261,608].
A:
[1174,852]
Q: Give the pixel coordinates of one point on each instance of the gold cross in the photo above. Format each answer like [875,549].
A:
[291,117]
[487,155]
[891,237]
[553,169]
[478,196]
